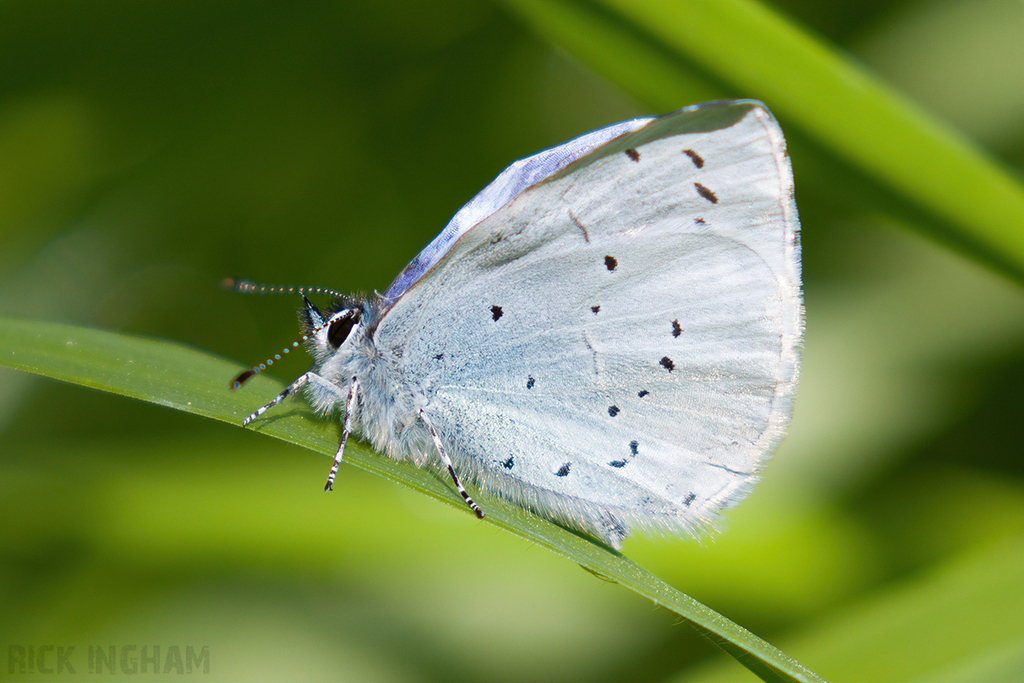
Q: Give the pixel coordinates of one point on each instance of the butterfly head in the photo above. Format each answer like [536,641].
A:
[336,330]
[329,335]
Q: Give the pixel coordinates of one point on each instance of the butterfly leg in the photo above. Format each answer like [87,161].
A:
[291,388]
[350,406]
[447,462]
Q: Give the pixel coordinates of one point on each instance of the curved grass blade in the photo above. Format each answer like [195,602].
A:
[185,379]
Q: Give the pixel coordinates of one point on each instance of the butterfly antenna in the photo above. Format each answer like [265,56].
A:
[243,377]
[249,287]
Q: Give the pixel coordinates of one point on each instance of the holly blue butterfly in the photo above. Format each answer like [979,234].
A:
[607,335]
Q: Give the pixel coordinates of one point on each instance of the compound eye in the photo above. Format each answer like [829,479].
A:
[339,330]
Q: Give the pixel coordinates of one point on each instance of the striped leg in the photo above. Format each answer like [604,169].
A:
[350,407]
[294,386]
[447,462]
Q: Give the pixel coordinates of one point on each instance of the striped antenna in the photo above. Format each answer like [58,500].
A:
[249,287]
[243,377]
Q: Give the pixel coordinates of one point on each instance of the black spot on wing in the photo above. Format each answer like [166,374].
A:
[610,262]
[496,312]
[706,193]
[667,363]
[676,330]
[633,154]
[613,410]
[563,471]
[694,157]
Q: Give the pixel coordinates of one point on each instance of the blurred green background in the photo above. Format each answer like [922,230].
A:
[147,150]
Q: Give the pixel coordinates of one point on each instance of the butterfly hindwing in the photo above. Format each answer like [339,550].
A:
[617,345]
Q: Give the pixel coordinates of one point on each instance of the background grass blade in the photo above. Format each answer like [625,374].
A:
[664,52]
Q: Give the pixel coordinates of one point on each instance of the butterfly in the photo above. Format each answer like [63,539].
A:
[607,335]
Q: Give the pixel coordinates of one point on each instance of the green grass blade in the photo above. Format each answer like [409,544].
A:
[192,381]
[671,53]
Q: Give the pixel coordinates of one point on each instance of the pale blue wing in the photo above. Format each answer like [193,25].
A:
[618,344]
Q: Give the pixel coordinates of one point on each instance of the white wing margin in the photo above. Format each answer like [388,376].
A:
[619,344]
